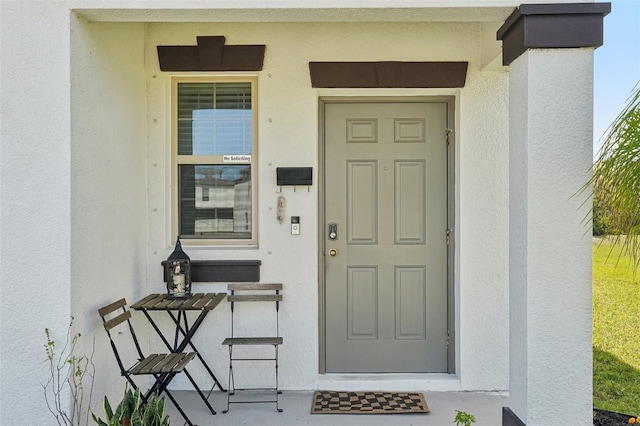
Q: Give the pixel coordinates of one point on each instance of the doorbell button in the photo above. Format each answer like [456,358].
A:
[295,225]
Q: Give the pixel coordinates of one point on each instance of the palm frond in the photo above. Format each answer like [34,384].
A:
[616,177]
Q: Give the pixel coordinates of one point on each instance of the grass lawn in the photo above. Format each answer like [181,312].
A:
[616,332]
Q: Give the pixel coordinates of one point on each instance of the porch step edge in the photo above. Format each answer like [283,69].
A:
[389,382]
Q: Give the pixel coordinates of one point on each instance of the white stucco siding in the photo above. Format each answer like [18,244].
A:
[551,267]
[561,324]
[108,205]
[288,136]
[518,233]
[35,197]
[483,232]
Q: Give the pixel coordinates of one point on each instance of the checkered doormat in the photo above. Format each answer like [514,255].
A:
[334,402]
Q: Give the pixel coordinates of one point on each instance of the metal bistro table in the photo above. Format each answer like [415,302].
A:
[177,309]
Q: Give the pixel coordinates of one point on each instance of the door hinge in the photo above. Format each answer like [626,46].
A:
[448,337]
[448,132]
[449,232]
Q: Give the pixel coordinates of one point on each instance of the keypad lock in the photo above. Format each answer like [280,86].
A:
[333,231]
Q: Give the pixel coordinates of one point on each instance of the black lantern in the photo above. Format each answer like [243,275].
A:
[177,270]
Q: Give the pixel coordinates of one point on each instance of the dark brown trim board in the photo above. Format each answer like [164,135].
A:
[509,418]
[388,74]
[211,271]
[211,54]
[548,26]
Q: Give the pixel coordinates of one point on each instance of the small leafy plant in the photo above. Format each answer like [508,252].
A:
[68,369]
[131,411]
[464,419]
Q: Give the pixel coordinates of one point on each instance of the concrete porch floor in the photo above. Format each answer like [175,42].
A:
[485,406]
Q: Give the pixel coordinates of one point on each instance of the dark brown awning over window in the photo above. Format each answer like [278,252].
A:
[211,54]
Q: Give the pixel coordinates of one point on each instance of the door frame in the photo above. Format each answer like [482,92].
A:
[451,126]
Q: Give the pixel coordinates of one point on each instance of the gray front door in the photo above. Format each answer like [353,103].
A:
[385,237]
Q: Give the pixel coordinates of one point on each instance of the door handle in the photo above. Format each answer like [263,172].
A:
[333,252]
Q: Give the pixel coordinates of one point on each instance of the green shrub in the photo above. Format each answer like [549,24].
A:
[600,221]
[464,419]
[130,411]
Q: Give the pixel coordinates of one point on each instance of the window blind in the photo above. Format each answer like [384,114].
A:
[214,119]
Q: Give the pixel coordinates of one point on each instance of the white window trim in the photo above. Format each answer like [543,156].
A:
[174,189]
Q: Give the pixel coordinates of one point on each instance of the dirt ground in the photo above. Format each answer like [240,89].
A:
[609,418]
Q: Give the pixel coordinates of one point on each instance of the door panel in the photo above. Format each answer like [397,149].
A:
[409,217]
[362,299]
[362,210]
[386,282]
[410,303]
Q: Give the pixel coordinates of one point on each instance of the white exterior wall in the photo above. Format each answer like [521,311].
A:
[109,187]
[482,227]
[35,244]
[550,259]
[288,136]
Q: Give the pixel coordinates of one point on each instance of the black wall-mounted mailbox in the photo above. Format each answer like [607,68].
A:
[294,175]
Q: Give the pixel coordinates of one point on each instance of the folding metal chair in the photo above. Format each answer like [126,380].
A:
[253,292]
[163,367]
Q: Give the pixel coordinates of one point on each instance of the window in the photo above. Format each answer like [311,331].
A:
[214,141]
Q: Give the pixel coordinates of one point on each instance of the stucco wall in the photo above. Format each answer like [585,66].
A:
[35,198]
[108,183]
[288,136]
[483,231]
[550,261]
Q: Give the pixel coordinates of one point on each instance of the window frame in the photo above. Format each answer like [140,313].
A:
[177,160]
